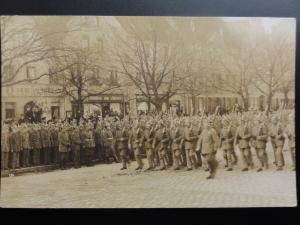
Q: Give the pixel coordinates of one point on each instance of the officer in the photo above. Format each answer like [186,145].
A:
[290,131]
[20,149]
[64,146]
[76,142]
[260,138]
[190,143]
[148,143]
[208,144]
[227,143]
[176,138]
[136,140]
[242,139]
[5,146]
[277,140]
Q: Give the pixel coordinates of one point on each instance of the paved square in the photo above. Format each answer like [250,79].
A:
[107,186]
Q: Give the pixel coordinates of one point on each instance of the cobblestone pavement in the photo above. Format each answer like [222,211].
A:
[107,186]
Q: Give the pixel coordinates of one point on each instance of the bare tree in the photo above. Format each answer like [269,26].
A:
[275,65]
[26,41]
[81,77]
[150,63]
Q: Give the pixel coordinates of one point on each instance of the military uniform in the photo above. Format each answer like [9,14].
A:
[190,143]
[36,145]
[148,144]
[76,143]
[136,141]
[242,139]
[107,143]
[14,149]
[177,138]
[99,152]
[64,147]
[121,144]
[290,131]
[161,144]
[208,144]
[26,147]
[45,139]
[88,145]
[260,138]
[54,144]
[227,146]
[277,140]
[5,148]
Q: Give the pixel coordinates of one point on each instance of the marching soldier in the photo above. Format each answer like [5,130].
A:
[277,140]
[290,131]
[176,137]
[148,141]
[227,144]
[121,143]
[64,146]
[5,145]
[208,145]
[242,139]
[190,143]
[161,143]
[260,138]
[136,141]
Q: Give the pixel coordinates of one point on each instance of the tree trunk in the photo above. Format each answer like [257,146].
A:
[269,102]
[80,111]
[194,104]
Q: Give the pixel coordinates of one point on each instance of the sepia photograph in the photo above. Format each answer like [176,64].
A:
[147,112]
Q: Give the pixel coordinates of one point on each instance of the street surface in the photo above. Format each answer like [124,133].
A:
[107,186]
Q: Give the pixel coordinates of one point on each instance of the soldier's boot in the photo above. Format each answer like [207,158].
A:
[280,160]
[194,162]
[199,159]
[235,158]
[150,162]
[225,158]
[163,165]
[123,159]
[140,163]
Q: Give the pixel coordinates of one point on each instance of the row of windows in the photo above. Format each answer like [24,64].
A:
[8,72]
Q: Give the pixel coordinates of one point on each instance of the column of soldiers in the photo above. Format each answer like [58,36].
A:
[165,141]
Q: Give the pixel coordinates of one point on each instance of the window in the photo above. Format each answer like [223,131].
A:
[7,72]
[30,72]
[10,110]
